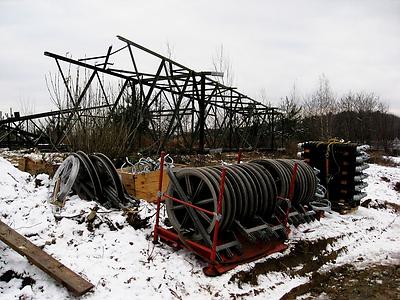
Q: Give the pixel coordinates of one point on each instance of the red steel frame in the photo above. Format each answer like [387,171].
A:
[251,252]
[212,253]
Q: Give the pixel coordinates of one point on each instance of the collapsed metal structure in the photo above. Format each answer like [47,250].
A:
[172,106]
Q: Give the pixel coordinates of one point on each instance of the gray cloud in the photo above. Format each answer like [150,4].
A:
[272,45]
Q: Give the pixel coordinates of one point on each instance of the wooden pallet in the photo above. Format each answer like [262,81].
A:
[72,281]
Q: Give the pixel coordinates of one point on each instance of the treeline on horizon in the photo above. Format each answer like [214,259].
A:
[355,116]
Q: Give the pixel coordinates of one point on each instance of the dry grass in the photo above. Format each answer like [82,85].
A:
[377,157]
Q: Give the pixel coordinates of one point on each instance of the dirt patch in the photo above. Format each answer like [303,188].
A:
[346,282]
[377,204]
[10,274]
[397,186]
[304,257]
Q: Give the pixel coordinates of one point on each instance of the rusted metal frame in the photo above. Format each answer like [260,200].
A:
[151,52]
[114,105]
[92,117]
[75,104]
[156,138]
[270,125]
[120,94]
[22,133]
[107,57]
[236,122]
[143,79]
[91,67]
[246,118]
[45,133]
[263,123]
[75,109]
[195,113]
[248,129]
[213,137]
[14,130]
[65,82]
[224,129]
[206,128]
[164,90]
[9,130]
[181,95]
[142,94]
[160,56]
[158,96]
[207,99]
[98,76]
[85,65]
[152,86]
[102,89]
[109,53]
[272,131]
[224,115]
[42,132]
[47,114]
[231,115]
[188,112]
[171,125]
[155,128]
[195,123]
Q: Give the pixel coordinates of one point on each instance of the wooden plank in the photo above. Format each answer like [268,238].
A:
[72,281]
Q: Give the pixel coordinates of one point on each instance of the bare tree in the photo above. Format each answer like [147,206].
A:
[292,115]
[222,63]
[322,105]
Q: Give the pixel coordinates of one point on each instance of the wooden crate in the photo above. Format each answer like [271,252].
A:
[143,186]
[35,167]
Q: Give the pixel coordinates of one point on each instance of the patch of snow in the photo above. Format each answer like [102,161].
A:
[125,263]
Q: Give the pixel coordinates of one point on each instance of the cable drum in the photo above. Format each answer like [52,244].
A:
[251,191]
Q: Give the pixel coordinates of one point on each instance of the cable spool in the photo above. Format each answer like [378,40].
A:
[251,192]
[91,177]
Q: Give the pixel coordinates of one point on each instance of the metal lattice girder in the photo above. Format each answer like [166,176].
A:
[174,106]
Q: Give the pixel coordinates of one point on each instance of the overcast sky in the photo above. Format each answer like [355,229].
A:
[271,45]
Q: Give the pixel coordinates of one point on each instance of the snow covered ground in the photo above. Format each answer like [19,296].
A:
[123,263]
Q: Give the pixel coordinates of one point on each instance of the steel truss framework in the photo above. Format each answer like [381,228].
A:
[182,108]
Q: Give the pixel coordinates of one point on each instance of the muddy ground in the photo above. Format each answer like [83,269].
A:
[342,282]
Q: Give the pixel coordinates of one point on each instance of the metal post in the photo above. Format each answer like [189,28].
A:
[159,195]
[218,217]
[239,156]
[273,130]
[202,108]
[291,191]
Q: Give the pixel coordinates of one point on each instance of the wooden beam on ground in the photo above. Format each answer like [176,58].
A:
[72,281]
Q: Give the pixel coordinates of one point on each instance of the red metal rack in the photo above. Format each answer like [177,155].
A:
[218,263]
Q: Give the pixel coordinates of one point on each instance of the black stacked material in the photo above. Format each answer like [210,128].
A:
[341,168]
